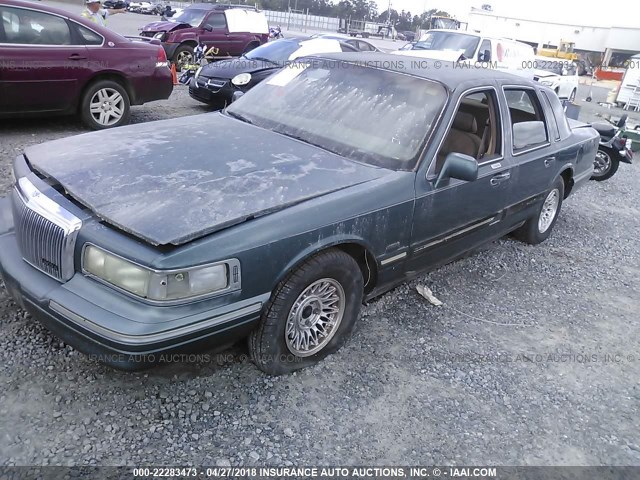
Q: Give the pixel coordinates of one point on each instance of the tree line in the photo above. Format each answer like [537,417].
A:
[354,10]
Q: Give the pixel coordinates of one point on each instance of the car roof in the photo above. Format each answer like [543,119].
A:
[440,71]
[343,38]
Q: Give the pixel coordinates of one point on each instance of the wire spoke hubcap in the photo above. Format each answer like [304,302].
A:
[107,106]
[315,317]
[549,209]
[601,164]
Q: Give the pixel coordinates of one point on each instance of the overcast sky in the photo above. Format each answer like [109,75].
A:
[626,14]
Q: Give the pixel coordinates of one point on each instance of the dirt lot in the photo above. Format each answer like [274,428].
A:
[533,359]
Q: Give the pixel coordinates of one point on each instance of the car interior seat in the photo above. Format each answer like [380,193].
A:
[462,138]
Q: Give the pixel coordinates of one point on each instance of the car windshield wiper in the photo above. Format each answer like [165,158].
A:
[306,140]
[240,117]
[262,59]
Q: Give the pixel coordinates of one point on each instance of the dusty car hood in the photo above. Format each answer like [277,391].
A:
[171,181]
[231,68]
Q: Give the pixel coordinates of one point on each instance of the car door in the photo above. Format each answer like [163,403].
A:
[535,161]
[214,33]
[38,56]
[454,215]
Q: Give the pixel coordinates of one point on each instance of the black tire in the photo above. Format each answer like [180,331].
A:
[182,56]
[91,92]
[608,156]
[268,343]
[530,232]
[572,97]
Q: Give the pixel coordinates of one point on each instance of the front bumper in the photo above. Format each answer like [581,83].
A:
[215,97]
[111,327]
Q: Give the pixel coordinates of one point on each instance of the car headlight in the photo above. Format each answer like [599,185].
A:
[241,79]
[547,83]
[160,285]
[159,36]
[197,73]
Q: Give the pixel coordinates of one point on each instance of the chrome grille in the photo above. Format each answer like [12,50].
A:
[45,231]
[211,83]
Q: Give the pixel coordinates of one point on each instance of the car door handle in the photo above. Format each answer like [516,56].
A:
[498,179]
[76,56]
[549,161]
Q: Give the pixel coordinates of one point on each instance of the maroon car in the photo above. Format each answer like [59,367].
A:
[52,62]
[232,30]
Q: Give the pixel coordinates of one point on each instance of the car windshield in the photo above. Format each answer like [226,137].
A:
[192,16]
[448,41]
[324,103]
[277,52]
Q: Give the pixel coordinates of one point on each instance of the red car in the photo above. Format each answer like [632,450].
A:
[52,62]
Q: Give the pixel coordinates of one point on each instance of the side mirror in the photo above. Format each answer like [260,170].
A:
[460,166]
[208,28]
[528,134]
[236,95]
[485,56]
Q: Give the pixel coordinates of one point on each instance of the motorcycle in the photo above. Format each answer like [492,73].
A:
[275,32]
[614,148]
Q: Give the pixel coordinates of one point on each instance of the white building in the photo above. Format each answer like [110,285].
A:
[605,40]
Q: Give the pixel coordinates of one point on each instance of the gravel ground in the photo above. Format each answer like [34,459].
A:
[534,359]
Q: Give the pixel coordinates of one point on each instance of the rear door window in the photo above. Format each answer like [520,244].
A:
[525,109]
[553,125]
[559,114]
[89,37]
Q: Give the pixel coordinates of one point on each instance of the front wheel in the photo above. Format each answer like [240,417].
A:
[183,56]
[538,228]
[310,314]
[105,104]
[605,165]
[572,97]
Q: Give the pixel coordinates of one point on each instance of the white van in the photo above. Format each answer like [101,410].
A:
[484,52]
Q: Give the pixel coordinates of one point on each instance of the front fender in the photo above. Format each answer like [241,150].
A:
[321,245]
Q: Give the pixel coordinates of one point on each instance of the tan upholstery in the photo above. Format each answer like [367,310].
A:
[462,138]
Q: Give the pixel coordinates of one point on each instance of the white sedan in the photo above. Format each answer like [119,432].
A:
[558,74]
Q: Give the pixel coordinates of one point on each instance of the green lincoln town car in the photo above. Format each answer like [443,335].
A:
[329,183]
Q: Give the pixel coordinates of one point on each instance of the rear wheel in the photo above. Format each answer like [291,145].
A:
[605,165]
[538,228]
[105,104]
[310,315]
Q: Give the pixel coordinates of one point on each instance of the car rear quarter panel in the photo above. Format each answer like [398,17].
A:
[135,63]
